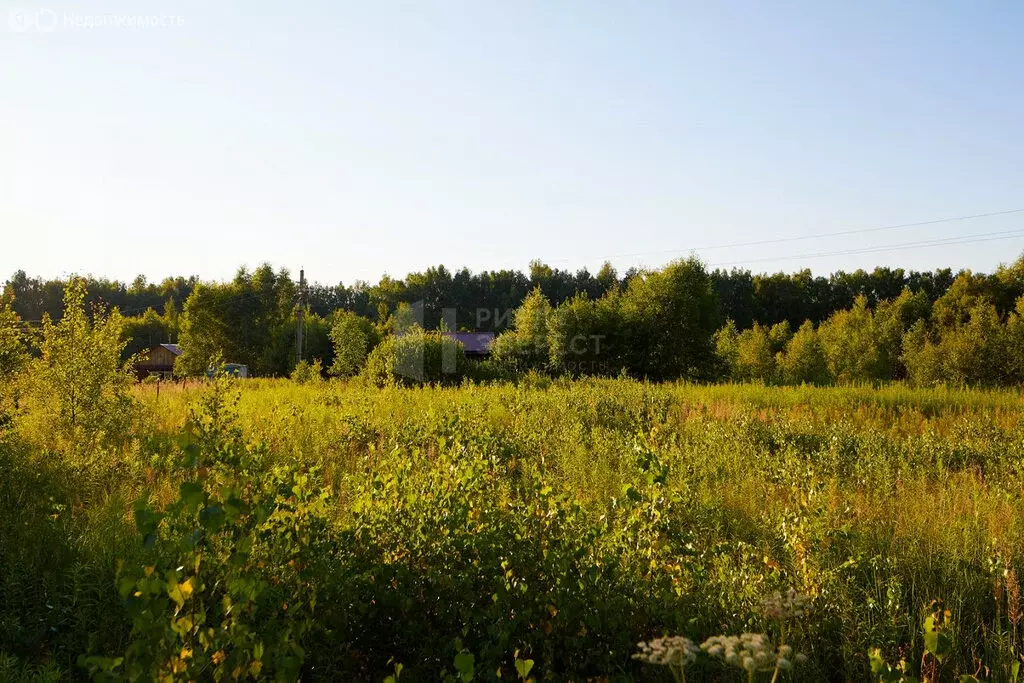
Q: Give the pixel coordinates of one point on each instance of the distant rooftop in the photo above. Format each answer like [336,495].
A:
[173,348]
[474,343]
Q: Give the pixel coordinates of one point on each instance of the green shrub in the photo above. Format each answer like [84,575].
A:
[488,371]
[975,352]
[754,359]
[308,373]
[416,358]
[526,346]
[585,336]
[228,585]
[353,337]
[13,351]
[527,571]
[77,391]
[804,359]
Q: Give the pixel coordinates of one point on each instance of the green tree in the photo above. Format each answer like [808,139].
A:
[353,337]
[415,358]
[921,357]
[261,303]
[584,335]
[238,321]
[1008,285]
[316,343]
[79,386]
[13,359]
[404,320]
[735,289]
[779,336]
[782,297]
[953,308]
[13,352]
[1015,344]
[974,352]
[803,361]
[526,346]
[204,332]
[890,321]
[727,348]
[850,344]
[755,358]
[607,278]
[670,318]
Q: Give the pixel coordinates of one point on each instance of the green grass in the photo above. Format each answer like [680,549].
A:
[873,501]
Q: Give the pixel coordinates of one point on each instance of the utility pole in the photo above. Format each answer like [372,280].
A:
[300,328]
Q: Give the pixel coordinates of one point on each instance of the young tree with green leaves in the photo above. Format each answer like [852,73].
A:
[584,336]
[205,333]
[803,361]
[727,341]
[1015,345]
[527,345]
[891,320]
[978,351]
[850,342]
[13,351]
[13,359]
[974,353]
[416,357]
[755,356]
[670,317]
[779,336]
[79,386]
[353,337]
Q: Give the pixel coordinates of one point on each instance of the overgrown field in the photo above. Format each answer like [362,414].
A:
[341,532]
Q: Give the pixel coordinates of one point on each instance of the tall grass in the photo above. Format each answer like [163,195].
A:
[871,500]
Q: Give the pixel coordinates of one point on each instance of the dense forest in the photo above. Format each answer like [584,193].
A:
[678,322]
[744,297]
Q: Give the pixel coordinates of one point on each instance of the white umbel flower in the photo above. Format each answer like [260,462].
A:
[788,605]
[669,650]
[750,651]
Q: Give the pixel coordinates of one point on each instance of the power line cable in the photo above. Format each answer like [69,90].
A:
[839,233]
[919,244]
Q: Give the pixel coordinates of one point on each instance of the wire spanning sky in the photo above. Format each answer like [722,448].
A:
[355,139]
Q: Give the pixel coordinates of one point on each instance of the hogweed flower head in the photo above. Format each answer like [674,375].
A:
[750,651]
[675,651]
[788,605]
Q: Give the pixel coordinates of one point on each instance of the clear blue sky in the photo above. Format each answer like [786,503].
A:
[361,138]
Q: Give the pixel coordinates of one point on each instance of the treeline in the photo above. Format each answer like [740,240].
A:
[677,322]
[960,340]
[658,328]
[482,300]
[35,297]
[485,300]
